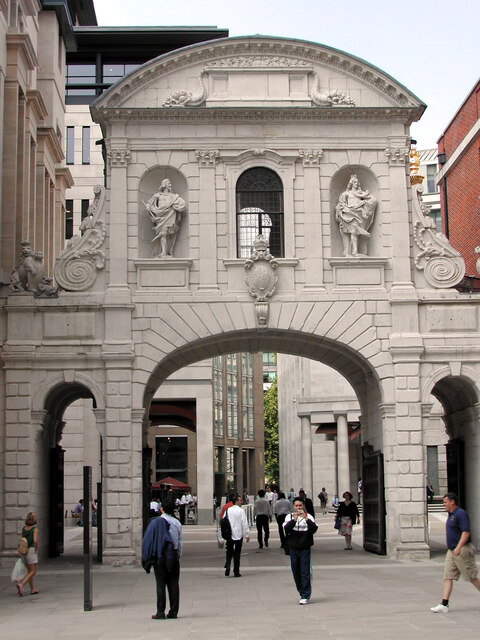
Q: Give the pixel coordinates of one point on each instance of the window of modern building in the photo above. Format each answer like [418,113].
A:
[80,79]
[84,209]
[218,397]
[232,405]
[115,71]
[68,219]
[70,150]
[85,145]
[269,358]
[259,195]
[436,216]
[247,396]
[171,457]
[231,469]
[218,466]
[431,172]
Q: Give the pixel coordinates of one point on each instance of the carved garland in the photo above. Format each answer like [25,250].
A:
[261,278]
[77,265]
[442,265]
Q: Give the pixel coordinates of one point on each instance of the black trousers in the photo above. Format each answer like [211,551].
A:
[234,549]
[281,532]
[169,580]
[263,525]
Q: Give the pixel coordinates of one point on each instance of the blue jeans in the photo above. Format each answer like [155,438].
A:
[300,564]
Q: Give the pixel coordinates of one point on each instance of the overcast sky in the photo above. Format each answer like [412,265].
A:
[430,46]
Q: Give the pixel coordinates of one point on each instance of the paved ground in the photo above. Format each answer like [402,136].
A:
[355,595]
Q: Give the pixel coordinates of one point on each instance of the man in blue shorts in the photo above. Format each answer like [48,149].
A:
[460,559]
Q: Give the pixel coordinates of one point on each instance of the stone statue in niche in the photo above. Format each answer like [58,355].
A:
[354,214]
[165,209]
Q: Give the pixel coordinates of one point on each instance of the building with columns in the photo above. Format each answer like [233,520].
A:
[301,234]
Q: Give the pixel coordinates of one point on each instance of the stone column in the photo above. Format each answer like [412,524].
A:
[343,460]
[313,213]
[118,159]
[122,452]
[9,179]
[207,213]
[307,480]
[205,460]
[404,455]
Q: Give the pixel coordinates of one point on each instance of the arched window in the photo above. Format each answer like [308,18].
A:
[259,211]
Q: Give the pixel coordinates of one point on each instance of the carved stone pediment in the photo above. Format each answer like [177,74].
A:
[261,278]
[443,266]
[77,265]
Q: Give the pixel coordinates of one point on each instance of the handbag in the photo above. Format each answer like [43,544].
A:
[337,523]
[220,540]
[22,546]
[19,570]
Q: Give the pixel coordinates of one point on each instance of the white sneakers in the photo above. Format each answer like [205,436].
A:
[304,601]
[440,608]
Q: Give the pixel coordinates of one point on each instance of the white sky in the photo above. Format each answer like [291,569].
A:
[430,46]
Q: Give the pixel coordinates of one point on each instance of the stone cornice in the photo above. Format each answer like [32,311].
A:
[252,52]
[64,174]
[50,138]
[37,104]
[253,114]
[22,43]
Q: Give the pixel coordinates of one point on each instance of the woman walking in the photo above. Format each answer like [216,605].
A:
[30,532]
[348,515]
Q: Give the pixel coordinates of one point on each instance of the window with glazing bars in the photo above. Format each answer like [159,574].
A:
[259,211]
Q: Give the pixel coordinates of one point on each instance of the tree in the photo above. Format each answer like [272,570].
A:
[271,434]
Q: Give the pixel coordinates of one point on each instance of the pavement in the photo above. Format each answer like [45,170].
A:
[356,595]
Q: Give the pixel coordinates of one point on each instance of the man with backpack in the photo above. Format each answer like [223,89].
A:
[234,527]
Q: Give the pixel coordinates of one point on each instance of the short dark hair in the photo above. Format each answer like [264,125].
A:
[30,519]
[451,496]
[281,496]
[231,497]
[168,506]
[299,499]
[261,493]
[349,495]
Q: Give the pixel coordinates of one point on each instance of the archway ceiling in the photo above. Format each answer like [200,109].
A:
[455,394]
[64,395]
[341,358]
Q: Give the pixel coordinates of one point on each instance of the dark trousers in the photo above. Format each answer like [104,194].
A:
[234,549]
[169,580]
[281,532]
[262,523]
[300,565]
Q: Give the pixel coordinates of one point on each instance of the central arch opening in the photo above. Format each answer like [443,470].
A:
[322,384]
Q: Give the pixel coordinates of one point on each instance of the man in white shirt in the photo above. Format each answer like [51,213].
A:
[239,525]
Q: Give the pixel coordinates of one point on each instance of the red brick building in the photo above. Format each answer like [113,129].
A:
[459,179]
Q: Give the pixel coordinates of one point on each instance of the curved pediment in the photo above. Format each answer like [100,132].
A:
[258,71]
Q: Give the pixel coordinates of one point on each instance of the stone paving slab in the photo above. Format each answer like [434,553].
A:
[355,595]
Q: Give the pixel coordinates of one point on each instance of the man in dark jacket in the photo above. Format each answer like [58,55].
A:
[299,528]
[159,552]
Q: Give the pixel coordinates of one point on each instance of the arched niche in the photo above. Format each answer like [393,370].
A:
[367,246]
[149,184]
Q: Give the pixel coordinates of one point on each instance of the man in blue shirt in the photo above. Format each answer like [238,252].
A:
[460,559]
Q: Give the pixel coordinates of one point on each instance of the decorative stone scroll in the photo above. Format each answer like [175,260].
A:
[183,98]
[442,265]
[207,157]
[261,278]
[310,157]
[331,98]
[77,265]
[397,155]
